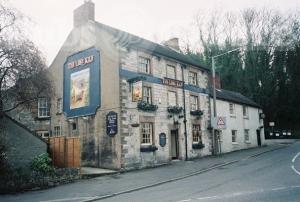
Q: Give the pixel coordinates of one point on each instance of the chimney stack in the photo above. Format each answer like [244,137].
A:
[173,43]
[84,13]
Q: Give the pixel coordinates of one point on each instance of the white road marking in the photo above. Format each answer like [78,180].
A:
[245,193]
[295,170]
[70,199]
[294,159]
[184,200]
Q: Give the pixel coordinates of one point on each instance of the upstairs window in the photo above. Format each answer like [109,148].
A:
[147,95]
[194,105]
[245,111]
[172,98]
[193,78]
[144,65]
[197,136]
[59,106]
[231,109]
[171,72]
[146,133]
[43,108]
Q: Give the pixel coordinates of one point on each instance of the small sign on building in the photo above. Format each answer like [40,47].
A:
[112,123]
[219,123]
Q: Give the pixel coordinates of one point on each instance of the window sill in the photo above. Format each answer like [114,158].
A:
[59,113]
[43,118]
[246,117]
[247,142]
[235,143]
[232,116]
[148,148]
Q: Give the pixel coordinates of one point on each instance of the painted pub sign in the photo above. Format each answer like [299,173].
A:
[82,83]
[111,123]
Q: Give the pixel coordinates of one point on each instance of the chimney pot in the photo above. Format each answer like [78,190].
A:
[173,43]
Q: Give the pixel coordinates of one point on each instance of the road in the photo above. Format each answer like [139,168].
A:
[273,175]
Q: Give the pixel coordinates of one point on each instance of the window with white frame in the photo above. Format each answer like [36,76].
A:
[43,133]
[246,135]
[193,78]
[234,136]
[147,94]
[59,106]
[57,131]
[245,111]
[197,135]
[144,65]
[171,72]
[194,103]
[146,133]
[43,108]
[172,98]
[231,109]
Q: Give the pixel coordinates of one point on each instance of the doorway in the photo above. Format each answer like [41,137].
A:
[258,138]
[174,144]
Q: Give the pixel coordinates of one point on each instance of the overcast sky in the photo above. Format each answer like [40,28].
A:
[156,20]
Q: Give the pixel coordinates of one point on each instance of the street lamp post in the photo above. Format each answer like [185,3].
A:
[214,139]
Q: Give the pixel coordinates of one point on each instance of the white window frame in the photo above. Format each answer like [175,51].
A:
[173,72]
[42,133]
[194,102]
[57,131]
[232,109]
[144,65]
[147,94]
[169,103]
[245,111]
[196,133]
[193,78]
[146,133]
[247,135]
[43,108]
[234,136]
[59,104]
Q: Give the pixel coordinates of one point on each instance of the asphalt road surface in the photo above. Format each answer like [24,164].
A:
[273,176]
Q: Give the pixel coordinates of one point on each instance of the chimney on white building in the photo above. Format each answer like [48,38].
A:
[84,13]
[173,43]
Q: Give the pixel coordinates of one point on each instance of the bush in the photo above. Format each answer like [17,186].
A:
[42,163]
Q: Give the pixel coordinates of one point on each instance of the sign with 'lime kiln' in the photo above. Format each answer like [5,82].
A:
[81,94]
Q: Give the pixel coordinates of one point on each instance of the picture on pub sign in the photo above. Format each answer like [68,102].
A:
[80,89]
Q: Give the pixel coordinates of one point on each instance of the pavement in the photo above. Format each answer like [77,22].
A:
[174,182]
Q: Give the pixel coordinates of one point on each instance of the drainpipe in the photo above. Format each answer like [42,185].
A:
[184,113]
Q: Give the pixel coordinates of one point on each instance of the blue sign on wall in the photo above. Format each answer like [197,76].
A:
[81,95]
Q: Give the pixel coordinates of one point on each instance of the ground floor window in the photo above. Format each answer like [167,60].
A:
[43,133]
[57,131]
[246,134]
[197,135]
[234,135]
[146,133]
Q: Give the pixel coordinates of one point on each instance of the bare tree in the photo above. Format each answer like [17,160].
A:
[22,67]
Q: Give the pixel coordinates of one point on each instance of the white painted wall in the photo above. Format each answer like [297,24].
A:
[240,123]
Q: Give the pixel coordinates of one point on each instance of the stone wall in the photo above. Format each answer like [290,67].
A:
[22,145]
[132,157]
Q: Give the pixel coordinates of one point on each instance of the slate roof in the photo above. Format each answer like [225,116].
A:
[127,40]
[235,97]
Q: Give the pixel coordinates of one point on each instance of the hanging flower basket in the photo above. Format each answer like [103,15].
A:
[197,113]
[174,109]
[144,106]
[198,145]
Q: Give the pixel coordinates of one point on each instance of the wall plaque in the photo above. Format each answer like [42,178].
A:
[162,139]
[111,123]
